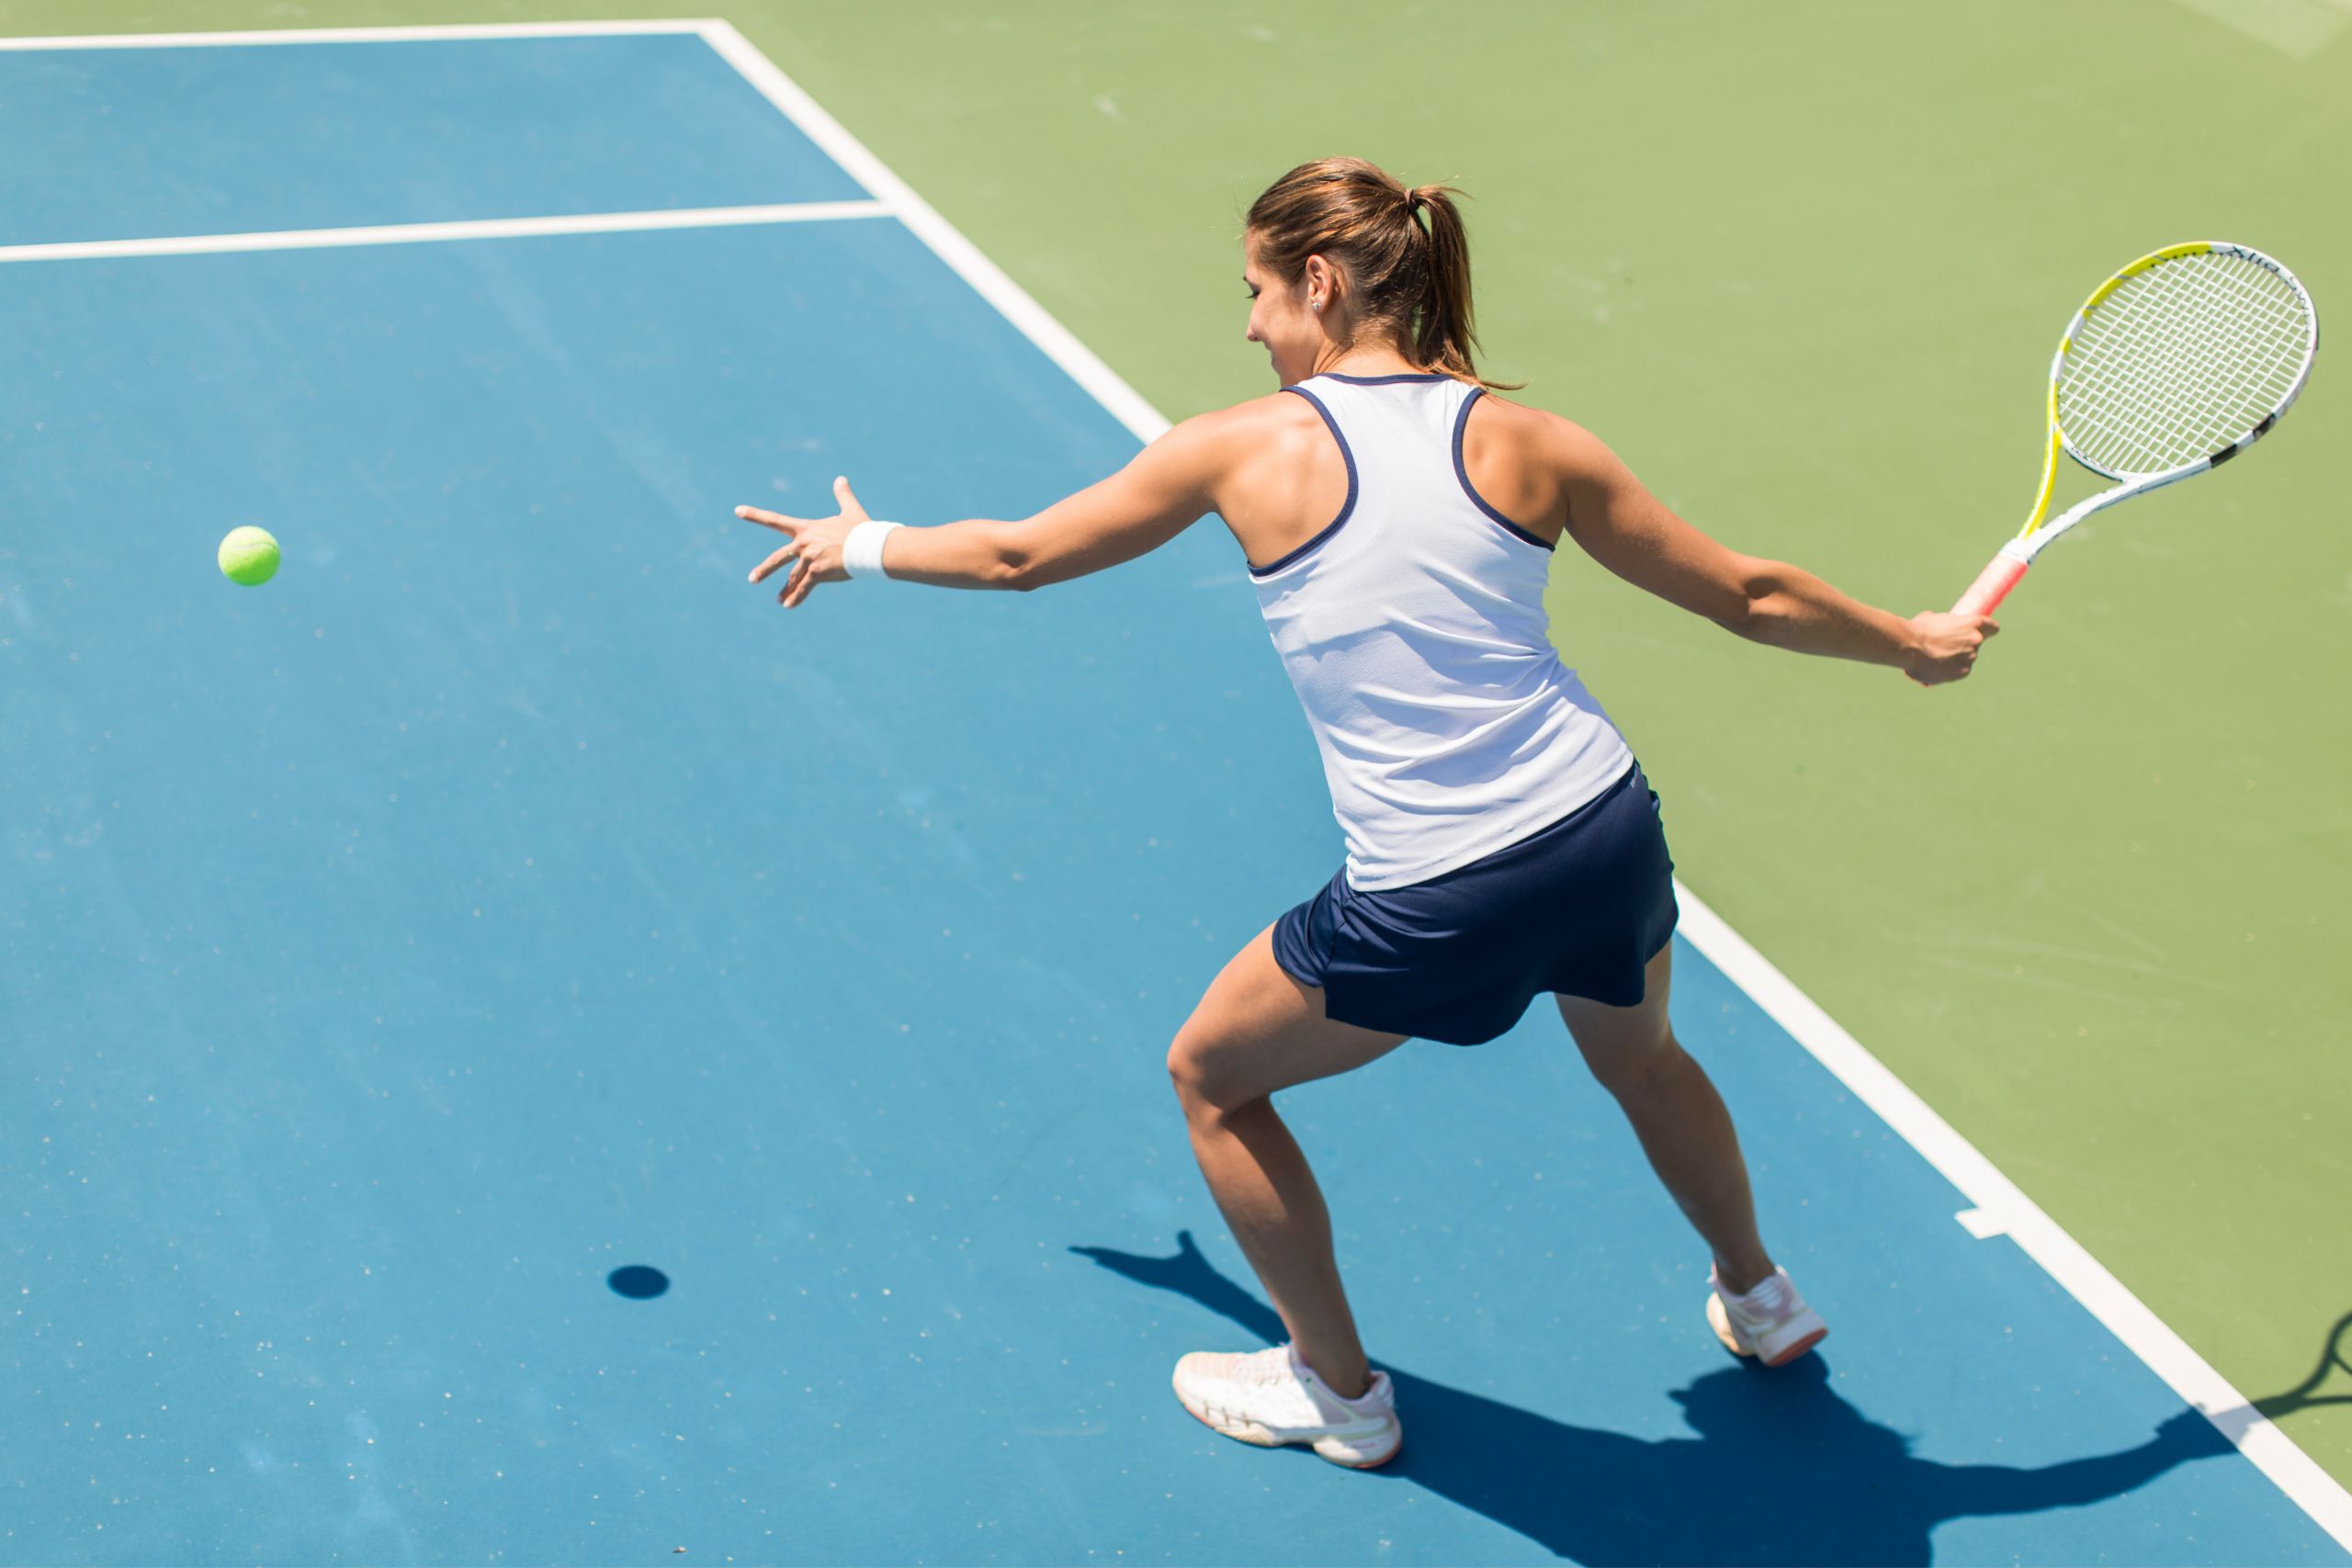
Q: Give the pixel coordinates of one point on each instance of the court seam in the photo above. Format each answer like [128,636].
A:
[2001,1207]
[462,228]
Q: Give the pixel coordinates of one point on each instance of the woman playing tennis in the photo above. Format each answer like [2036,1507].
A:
[1400,522]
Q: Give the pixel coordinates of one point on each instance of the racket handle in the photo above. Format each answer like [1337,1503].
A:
[1993,584]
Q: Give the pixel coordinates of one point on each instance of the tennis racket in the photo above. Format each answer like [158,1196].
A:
[2173,366]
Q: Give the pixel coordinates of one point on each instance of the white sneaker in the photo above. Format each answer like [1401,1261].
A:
[1770,1321]
[1270,1397]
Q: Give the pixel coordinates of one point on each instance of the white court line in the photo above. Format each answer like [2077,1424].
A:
[2005,1208]
[2000,1206]
[358,35]
[471,228]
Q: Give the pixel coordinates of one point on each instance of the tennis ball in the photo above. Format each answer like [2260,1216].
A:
[249,555]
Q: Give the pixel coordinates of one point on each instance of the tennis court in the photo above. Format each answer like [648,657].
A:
[508,896]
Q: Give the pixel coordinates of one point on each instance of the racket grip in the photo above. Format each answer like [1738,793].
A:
[1993,584]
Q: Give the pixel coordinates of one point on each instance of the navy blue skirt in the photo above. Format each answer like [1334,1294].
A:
[1579,907]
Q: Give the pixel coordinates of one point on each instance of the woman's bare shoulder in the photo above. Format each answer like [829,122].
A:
[1254,415]
[1536,423]
[1539,435]
[1276,425]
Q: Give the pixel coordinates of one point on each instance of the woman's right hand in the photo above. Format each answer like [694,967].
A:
[1947,646]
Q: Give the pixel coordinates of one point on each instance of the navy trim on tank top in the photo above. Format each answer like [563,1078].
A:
[1383,381]
[1461,425]
[1346,507]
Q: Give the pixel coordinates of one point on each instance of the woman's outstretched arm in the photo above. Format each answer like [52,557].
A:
[1162,491]
[1626,528]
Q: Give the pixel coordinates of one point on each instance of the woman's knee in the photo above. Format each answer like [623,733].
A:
[1258,1031]
[1202,1088]
[1184,1073]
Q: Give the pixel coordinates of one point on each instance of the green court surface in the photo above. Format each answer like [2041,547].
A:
[1802,266]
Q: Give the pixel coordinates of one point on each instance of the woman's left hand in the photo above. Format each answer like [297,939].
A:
[814,550]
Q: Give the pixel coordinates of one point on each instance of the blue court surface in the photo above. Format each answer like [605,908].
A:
[509,892]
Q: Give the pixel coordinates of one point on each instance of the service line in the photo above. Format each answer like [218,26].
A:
[424,233]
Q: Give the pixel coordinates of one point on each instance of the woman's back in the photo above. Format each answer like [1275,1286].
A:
[1412,625]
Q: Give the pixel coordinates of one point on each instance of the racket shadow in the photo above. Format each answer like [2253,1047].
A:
[1783,1469]
[2334,1355]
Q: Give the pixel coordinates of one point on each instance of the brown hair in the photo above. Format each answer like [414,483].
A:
[1405,277]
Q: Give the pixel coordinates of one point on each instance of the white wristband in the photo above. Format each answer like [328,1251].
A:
[862,551]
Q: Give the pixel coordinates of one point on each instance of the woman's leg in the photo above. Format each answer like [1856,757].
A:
[1678,1117]
[1255,1031]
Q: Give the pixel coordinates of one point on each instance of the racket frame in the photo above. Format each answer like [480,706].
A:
[2009,564]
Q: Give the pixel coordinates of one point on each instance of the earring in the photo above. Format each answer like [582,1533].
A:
[1315,304]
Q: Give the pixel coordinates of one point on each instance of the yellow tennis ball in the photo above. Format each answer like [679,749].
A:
[249,555]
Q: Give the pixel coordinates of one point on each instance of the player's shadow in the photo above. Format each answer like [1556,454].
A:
[1782,1471]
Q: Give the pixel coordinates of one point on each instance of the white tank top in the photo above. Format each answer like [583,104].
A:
[1413,628]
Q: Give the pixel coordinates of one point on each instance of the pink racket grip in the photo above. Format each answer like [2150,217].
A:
[1993,584]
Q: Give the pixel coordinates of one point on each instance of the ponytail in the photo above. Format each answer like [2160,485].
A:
[1404,253]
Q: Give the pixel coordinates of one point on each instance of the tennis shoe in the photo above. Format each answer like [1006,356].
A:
[1770,1322]
[1269,1397]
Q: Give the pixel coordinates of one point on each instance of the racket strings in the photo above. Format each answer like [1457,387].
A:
[2204,342]
[2179,362]
[2175,374]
